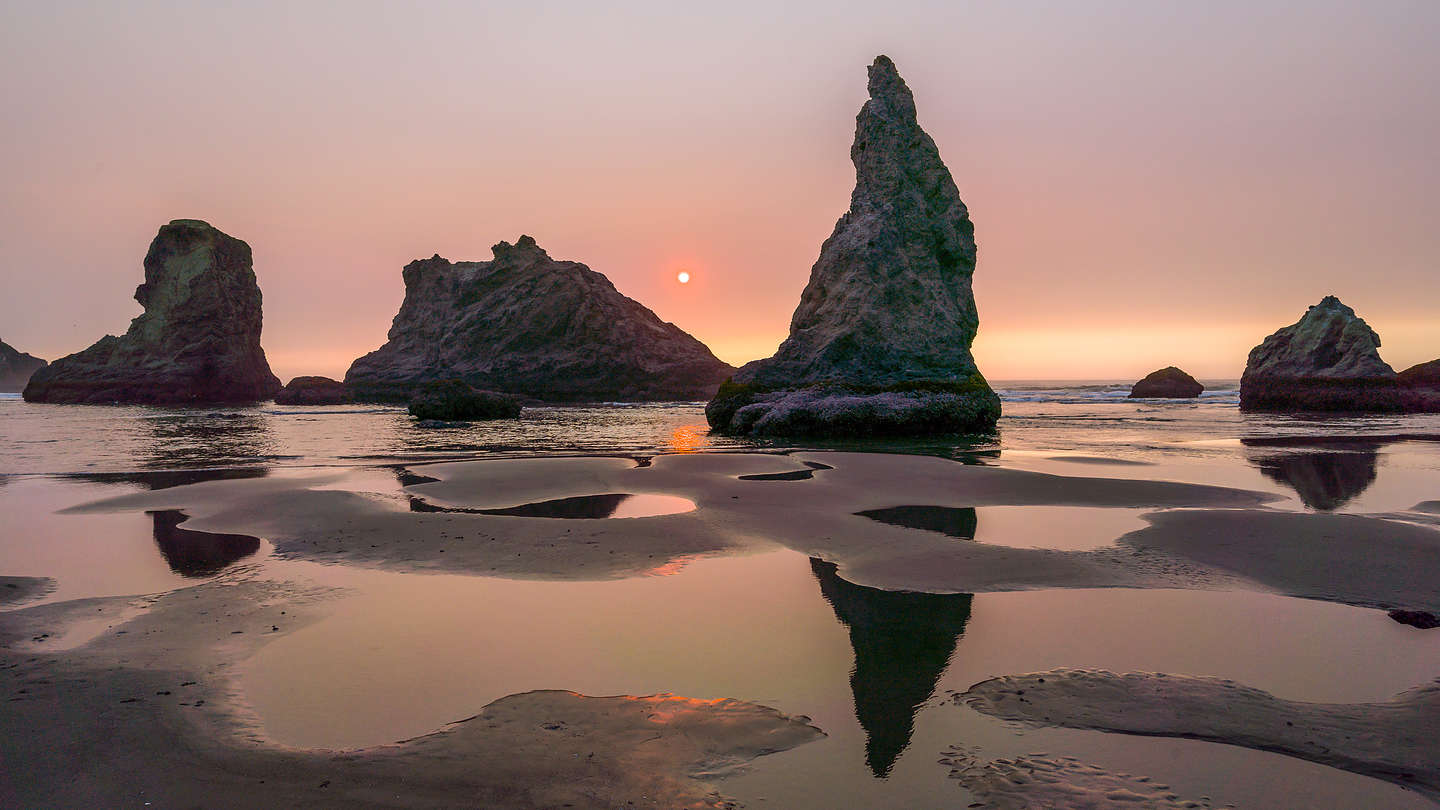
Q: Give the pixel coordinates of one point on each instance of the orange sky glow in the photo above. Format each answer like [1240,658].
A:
[1150,185]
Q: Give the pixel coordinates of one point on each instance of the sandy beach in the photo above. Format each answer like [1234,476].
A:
[155,704]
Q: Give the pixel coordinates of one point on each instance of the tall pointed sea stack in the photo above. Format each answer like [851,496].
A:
[197,342]
[527,324]
[880,343]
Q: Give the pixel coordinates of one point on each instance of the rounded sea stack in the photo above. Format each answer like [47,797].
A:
[458,401]
[1167,383]
[1329,360]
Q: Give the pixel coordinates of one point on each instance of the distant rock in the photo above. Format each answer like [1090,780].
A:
[16,368]
[1424,375]
[197,342]
[314,391]
[457,401]
[1420,387]
[526,324]
[880,342]
[1167,383]
[1327,361]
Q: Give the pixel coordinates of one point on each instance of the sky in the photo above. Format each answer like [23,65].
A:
[1151,183]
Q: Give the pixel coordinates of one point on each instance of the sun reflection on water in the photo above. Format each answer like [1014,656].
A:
[689,438]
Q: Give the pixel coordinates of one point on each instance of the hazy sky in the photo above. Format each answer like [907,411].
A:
[1151,182]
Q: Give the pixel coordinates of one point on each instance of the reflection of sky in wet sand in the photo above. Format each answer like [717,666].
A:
[579,507]
[1067,528]
[763,628]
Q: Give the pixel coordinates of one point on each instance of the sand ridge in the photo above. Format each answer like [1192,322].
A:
[1398,741]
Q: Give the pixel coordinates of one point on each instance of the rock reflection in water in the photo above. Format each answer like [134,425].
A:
[191,437]
[580,507]
[902,642]
[1325,480]
[165,479]
[955,521]
[198,554]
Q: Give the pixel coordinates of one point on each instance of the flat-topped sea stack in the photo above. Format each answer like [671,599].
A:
[526,324]
[16,367]
[1329,360]
[880,343]
[1167,383]
[314,391]
[196,343]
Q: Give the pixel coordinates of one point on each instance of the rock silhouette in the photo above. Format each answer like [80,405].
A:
[197,342]
[526,324]
[1421,387]
[1329,360]
[1167,383]
[15,368]
[314,391]
[880,342]
[902,642]
[454,400]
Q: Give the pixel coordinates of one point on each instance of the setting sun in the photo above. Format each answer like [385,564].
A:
[684,277]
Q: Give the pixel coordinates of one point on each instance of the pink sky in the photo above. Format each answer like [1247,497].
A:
[1150,185]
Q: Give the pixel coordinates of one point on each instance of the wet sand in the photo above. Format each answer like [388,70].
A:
[1398,741]
[21,589]
[153,707]
[149,714]
[1210,537]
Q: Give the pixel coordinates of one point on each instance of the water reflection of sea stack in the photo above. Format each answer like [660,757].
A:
[198,554]
[902,642]
[1323,479]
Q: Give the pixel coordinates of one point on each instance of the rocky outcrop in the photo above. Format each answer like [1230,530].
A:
[455,400]
[1420,387]
[16,367]
[314,391]
[524,323]
[1329,360]
[197,342]
[880,342]
[1424,375]
[1167,383]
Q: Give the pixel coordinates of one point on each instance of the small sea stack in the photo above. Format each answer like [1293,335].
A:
[1420,387]
[1167,383]
[314,391]
[1329,360]
[196,343]
[524,323]
[880,342]
[457,401]
[16,368]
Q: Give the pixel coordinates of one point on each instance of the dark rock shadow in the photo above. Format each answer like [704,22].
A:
[793,475]
[953,521]
[1324,480]
[580,507]
[165,479]
[410,479]
[198,554]
[902,642]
